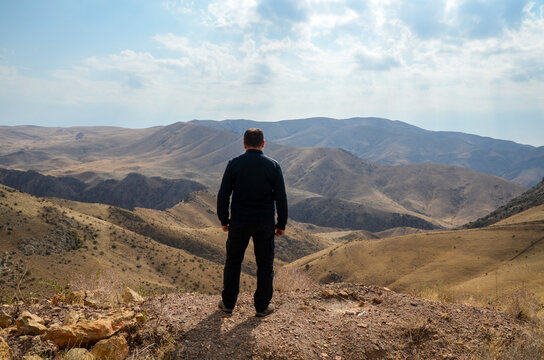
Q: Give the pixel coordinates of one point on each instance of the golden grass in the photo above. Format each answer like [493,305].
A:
[287,279]
[483,263]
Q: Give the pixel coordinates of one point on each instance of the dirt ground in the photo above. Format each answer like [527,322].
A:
[336,321]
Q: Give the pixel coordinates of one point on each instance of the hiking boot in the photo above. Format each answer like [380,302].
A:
[224,308]
[269,310]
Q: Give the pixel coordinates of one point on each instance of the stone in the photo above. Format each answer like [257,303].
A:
[30,324]
[343,293]
[114,348]
[377,300]
[78,354]
[5,319]
[328,293]
[75,297]
[32,357]
[5,351]
[71,318]
[130,296]
[89,332]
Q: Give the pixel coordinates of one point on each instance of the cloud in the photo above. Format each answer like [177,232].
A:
[482,19]
[233,13]
[426,18]
[282,11]
[375,60]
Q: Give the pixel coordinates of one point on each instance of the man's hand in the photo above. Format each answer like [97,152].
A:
[279,232]
[225,228]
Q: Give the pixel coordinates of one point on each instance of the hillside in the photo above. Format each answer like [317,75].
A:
[424,196]
[43,239]
[134,190]
[487,263]
[397,143]
[529,199]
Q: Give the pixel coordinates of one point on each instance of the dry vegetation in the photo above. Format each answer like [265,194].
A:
[486,264]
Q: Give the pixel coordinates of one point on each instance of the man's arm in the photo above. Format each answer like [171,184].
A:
[223,198]
[280,197]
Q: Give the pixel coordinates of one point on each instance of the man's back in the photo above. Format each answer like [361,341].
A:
[256,183]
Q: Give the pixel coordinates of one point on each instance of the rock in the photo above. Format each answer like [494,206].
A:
[78,354]
[85,333]
[304,307]
[30,324]
[76,297]
[362,325]
[5,350]
[71,318]
[5,319]
[343,293]
[32,357]
[114,348]
[377,300]
[130,296]
[328,293]
[361,303]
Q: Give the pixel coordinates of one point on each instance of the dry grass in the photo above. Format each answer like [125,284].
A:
[437,292]
[522,305]
[416,329]
[106,286]
[290,278]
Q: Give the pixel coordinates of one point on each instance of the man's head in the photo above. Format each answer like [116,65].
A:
[253,139]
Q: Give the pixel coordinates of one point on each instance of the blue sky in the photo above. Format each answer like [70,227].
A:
[462,65]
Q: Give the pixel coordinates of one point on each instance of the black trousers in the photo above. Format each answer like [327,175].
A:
[263,244]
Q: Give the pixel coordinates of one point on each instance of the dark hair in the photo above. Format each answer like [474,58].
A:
[253,137]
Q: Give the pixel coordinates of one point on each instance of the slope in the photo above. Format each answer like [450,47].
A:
[397,143]
[44,242]
[529,199]
[487,263]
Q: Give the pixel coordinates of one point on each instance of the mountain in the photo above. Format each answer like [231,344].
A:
[529,199]
[397,143]
[425,195]
[134,190]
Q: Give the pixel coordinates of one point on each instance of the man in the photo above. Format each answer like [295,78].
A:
[256,184]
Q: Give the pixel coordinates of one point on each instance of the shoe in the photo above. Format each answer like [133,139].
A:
[269,310]
[224,308]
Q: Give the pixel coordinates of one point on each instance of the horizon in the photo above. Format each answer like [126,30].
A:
[280,120]
[465,66]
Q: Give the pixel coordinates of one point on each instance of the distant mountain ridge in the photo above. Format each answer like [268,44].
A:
[529,199]
[134,190]
[390,142]
[420,195]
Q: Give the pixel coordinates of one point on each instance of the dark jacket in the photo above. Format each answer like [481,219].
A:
[256,184]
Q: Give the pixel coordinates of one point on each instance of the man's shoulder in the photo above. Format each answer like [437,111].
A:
[243,157]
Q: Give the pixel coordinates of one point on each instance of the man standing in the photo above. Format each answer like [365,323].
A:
[256,184]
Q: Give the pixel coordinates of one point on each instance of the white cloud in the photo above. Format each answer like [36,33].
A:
[233,13]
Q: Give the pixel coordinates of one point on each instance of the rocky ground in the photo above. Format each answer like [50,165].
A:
[333,322]
[336,321]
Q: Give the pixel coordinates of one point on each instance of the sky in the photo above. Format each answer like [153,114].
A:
[474,66]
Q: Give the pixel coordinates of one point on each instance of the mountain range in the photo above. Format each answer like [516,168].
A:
[324,184]
[390,142]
